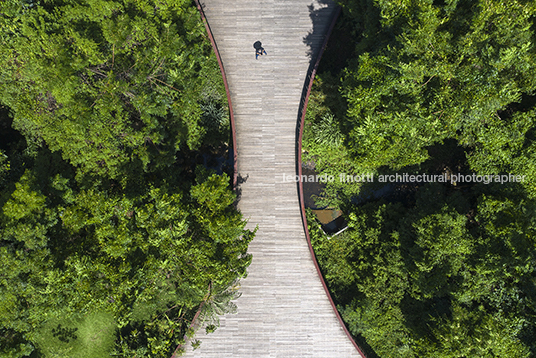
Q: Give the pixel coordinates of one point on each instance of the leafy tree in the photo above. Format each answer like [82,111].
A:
[423,74]
[114,85]
[111,235]
[431,270]
[147,261]
[432,281]
[437,71]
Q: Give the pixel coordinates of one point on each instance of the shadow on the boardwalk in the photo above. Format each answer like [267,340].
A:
[321,19]
[238,190]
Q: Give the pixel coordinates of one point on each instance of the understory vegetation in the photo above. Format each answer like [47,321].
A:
[117,218]
[430,269]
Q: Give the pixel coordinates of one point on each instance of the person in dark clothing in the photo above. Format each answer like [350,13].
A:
[259,50]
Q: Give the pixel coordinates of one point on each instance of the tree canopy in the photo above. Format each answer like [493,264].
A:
[114,231]
[440,269]
[429,281]
[113,85]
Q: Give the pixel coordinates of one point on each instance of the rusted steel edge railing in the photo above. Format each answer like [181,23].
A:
[192,326]
[233,137]
[225,83]
[300,184]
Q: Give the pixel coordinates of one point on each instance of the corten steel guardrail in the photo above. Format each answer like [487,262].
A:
[301,123]
[233,136]
[231,113]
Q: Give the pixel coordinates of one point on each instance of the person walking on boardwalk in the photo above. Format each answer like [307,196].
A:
[259,50]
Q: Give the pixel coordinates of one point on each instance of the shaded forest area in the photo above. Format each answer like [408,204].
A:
[444,269]
[117,220]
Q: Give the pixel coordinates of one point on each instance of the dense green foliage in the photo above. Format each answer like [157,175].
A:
[112,233]
[435,87]
[424,72]
[432,281]
[114,85]
[428,72]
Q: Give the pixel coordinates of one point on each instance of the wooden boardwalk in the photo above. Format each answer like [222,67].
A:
[284,311]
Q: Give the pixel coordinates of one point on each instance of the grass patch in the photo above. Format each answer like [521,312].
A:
[89,336]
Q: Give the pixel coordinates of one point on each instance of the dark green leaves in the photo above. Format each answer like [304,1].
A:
[112,85]
[110,244]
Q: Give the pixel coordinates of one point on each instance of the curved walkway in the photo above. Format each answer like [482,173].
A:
[284,311]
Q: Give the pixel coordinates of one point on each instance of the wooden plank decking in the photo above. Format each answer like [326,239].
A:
[284,311]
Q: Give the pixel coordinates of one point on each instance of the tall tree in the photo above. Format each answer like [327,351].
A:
[114,85]
[433,281]
[443,269]
[427,71]
[112,235]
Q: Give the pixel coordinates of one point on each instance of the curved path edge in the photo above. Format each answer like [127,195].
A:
[233,137]
[226,84]
[301,124]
